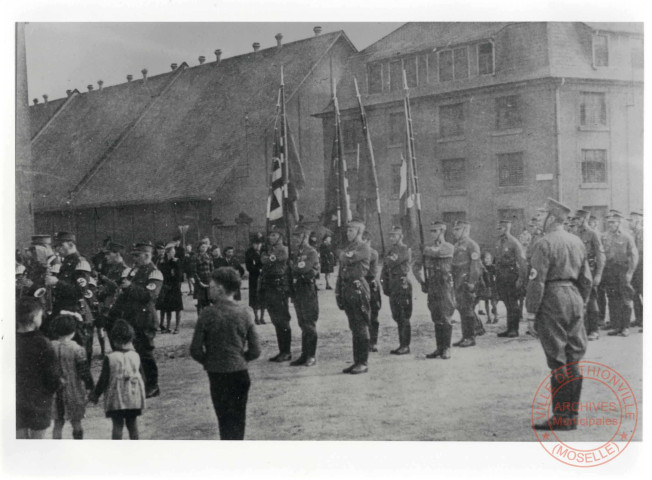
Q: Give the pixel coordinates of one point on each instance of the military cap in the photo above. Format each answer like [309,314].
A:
[355,222]
[42,239]
[581,213]
[158,245]
[437,224]
[142,247]
[461,223]
[557,209]
[257,238]
[275,228]
[396,230]
[170,245]
[300,229]
[116,247]
[615,214]
[65,237]
[636,213]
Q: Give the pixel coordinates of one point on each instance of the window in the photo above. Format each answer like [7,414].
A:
[508,112]
[486,58]
[461,63]
[432,67]
[510,169]
[396,75]
[422,68]
[594,166]
[410,66]
[637,53]
[397,129]
[351,135]
[396,180]
[375,77]
[593,109]
[451,120]
[516,216]
[454,173]
[453,64]
[600,51]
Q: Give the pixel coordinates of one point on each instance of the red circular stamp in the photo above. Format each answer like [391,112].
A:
[602,421]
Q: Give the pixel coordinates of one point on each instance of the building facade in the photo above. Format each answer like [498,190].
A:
[505,115]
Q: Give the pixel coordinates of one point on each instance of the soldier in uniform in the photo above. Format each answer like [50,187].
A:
[622,259]
[467,271]
[108,288]
[252,262]
[510,275]
[305,268]
[352,294]
[637,279]
[99,259]
[438,284]
[560,282]
[70,286]
[137,305]
[595,256]
[375,299]
[397,286]
[275,291]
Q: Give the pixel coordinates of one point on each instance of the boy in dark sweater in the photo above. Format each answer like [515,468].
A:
[37,373]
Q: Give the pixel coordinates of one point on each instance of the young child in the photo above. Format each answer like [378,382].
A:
[121,383]
[37,372]
[488,292]
[70,401]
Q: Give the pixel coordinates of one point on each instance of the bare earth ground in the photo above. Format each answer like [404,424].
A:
[483,393]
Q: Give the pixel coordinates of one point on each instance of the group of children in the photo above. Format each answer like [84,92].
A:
[53,378]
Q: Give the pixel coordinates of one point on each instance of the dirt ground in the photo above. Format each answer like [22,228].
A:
[483,393]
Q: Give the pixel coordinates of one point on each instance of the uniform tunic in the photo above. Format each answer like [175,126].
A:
[621,259]
[137,305]
[467,271]
[396,285]
[438,259]
[108,291]
[637,278]
[275,291]
[560,280]
[253,264]
[375,298]
[352,290]
[305,268]
[596,258]
[510,269]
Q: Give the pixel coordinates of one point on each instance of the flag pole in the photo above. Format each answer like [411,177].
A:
[341,190]
[413,161]
[367,135]
[269,174]
[286,166]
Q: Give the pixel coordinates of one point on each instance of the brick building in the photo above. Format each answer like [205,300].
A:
[187,147]
[505,115]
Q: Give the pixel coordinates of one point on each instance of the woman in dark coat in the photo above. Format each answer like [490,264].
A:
[202,275]
[253,264]
[169,300]
[327,259]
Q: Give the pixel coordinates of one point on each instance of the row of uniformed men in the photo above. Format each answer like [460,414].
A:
[67,283]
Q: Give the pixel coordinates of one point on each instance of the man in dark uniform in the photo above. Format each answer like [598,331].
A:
[510,275]
[438,284]
[560,282]
[137,305]
[38,266]
[108,288]
[275,291]
[253,264]
[375,299]
[636,226]
[596,258]
[352,294]
[467,271]
[70,286]
[229,260]
[397,286]
[305,268]
[622,259]
[99,259]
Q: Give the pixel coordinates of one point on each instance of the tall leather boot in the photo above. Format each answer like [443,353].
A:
[446,333]
[363,356]
[407,334]
[355,356]
[78,434]
[401,340]
[440,345]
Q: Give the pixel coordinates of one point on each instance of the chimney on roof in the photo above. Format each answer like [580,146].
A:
[256,46]
[35,101]
[144,72]
[218,55]
[68,92]
[173,66]
[279,38]
[100,83]
[130,77]
[202,59]
[45,98]
[90,88]
[317,30]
